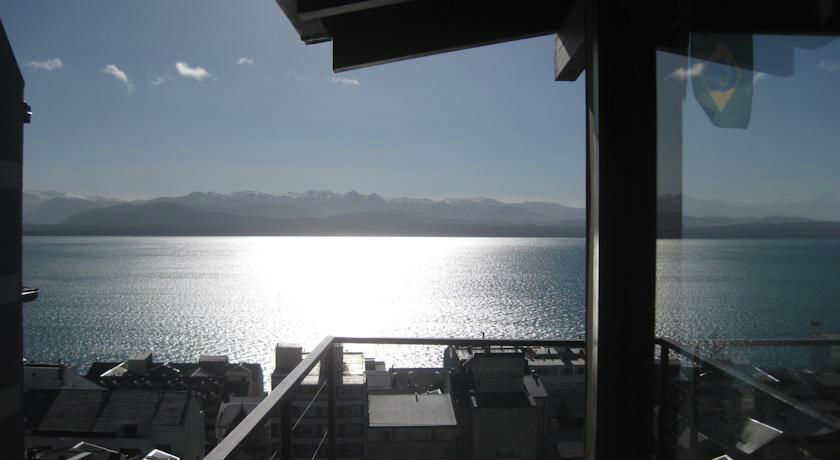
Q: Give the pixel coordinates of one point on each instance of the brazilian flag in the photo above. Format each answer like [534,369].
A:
[722,77]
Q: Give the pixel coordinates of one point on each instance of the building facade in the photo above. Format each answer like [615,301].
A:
[310,402]
[411,426]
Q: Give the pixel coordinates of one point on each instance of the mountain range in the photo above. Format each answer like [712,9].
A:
[56,208]
[352,213]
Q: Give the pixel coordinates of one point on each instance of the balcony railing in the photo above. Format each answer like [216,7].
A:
[279,399]
[711,375]
[700,362]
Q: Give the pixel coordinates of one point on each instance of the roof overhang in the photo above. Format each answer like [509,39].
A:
[371,32]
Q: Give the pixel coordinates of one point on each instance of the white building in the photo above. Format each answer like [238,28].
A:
[415,426]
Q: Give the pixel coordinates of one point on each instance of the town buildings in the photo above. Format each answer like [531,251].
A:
[483,403]
[130,421]
[411,426]
[212,380]
[310,403]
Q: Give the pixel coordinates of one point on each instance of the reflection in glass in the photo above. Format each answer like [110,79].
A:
[748,255]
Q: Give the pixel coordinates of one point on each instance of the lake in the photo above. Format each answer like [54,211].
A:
[106,298]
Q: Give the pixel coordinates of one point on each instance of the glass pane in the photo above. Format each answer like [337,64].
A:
[748,255]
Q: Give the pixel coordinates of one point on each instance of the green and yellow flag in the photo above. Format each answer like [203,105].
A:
[723,80]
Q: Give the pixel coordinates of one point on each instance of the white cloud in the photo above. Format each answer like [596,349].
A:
[298,76]
[115,71]
[196,73]
[159,80]
[758,76]
[245,61]
[49,65]
[829,65]
[682,73]
[345,81]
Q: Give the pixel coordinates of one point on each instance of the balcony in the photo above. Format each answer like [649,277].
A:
[707,405]
[316,431]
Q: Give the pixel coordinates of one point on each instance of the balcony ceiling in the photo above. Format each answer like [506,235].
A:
[371,32]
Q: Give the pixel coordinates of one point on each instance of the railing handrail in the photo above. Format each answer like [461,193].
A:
[261,414]
[809,342]
[264,411]
[830,421]
[459,342]
[228,446]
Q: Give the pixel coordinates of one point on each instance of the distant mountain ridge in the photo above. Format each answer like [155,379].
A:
[176,219]
[55,208]
[352,213]
[325,204]
[825,207]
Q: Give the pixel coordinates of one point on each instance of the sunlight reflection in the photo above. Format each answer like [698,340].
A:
[338,284]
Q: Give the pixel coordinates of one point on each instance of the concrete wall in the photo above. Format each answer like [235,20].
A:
[410,443]
[505,433]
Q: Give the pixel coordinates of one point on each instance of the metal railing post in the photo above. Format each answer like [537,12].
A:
[692,405]
[285,431]
[663,451]
[331,373]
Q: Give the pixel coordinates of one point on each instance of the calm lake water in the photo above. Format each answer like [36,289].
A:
[105,298]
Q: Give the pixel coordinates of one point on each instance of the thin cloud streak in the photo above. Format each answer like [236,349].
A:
[345,81]
[683,73]
[159,80]
[49,65]
[829,65]
[115,71]
[245,61]
[196,73]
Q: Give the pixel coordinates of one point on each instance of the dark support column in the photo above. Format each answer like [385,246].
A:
[332,376]
[12,117]
[621,202]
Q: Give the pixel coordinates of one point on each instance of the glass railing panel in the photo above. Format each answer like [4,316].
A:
[748,254]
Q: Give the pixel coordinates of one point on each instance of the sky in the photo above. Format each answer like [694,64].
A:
[154,98]
[790,150]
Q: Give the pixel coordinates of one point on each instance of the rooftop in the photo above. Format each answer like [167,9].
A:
[401,410]
[104,412]
[534,386]
[539,354]
[354,370]
[98,370]
[502,400]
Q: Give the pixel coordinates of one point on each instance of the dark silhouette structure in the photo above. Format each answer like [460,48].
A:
[13,114]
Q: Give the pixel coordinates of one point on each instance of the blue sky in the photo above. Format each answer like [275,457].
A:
[482,122]
[120,118]
[791,149]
